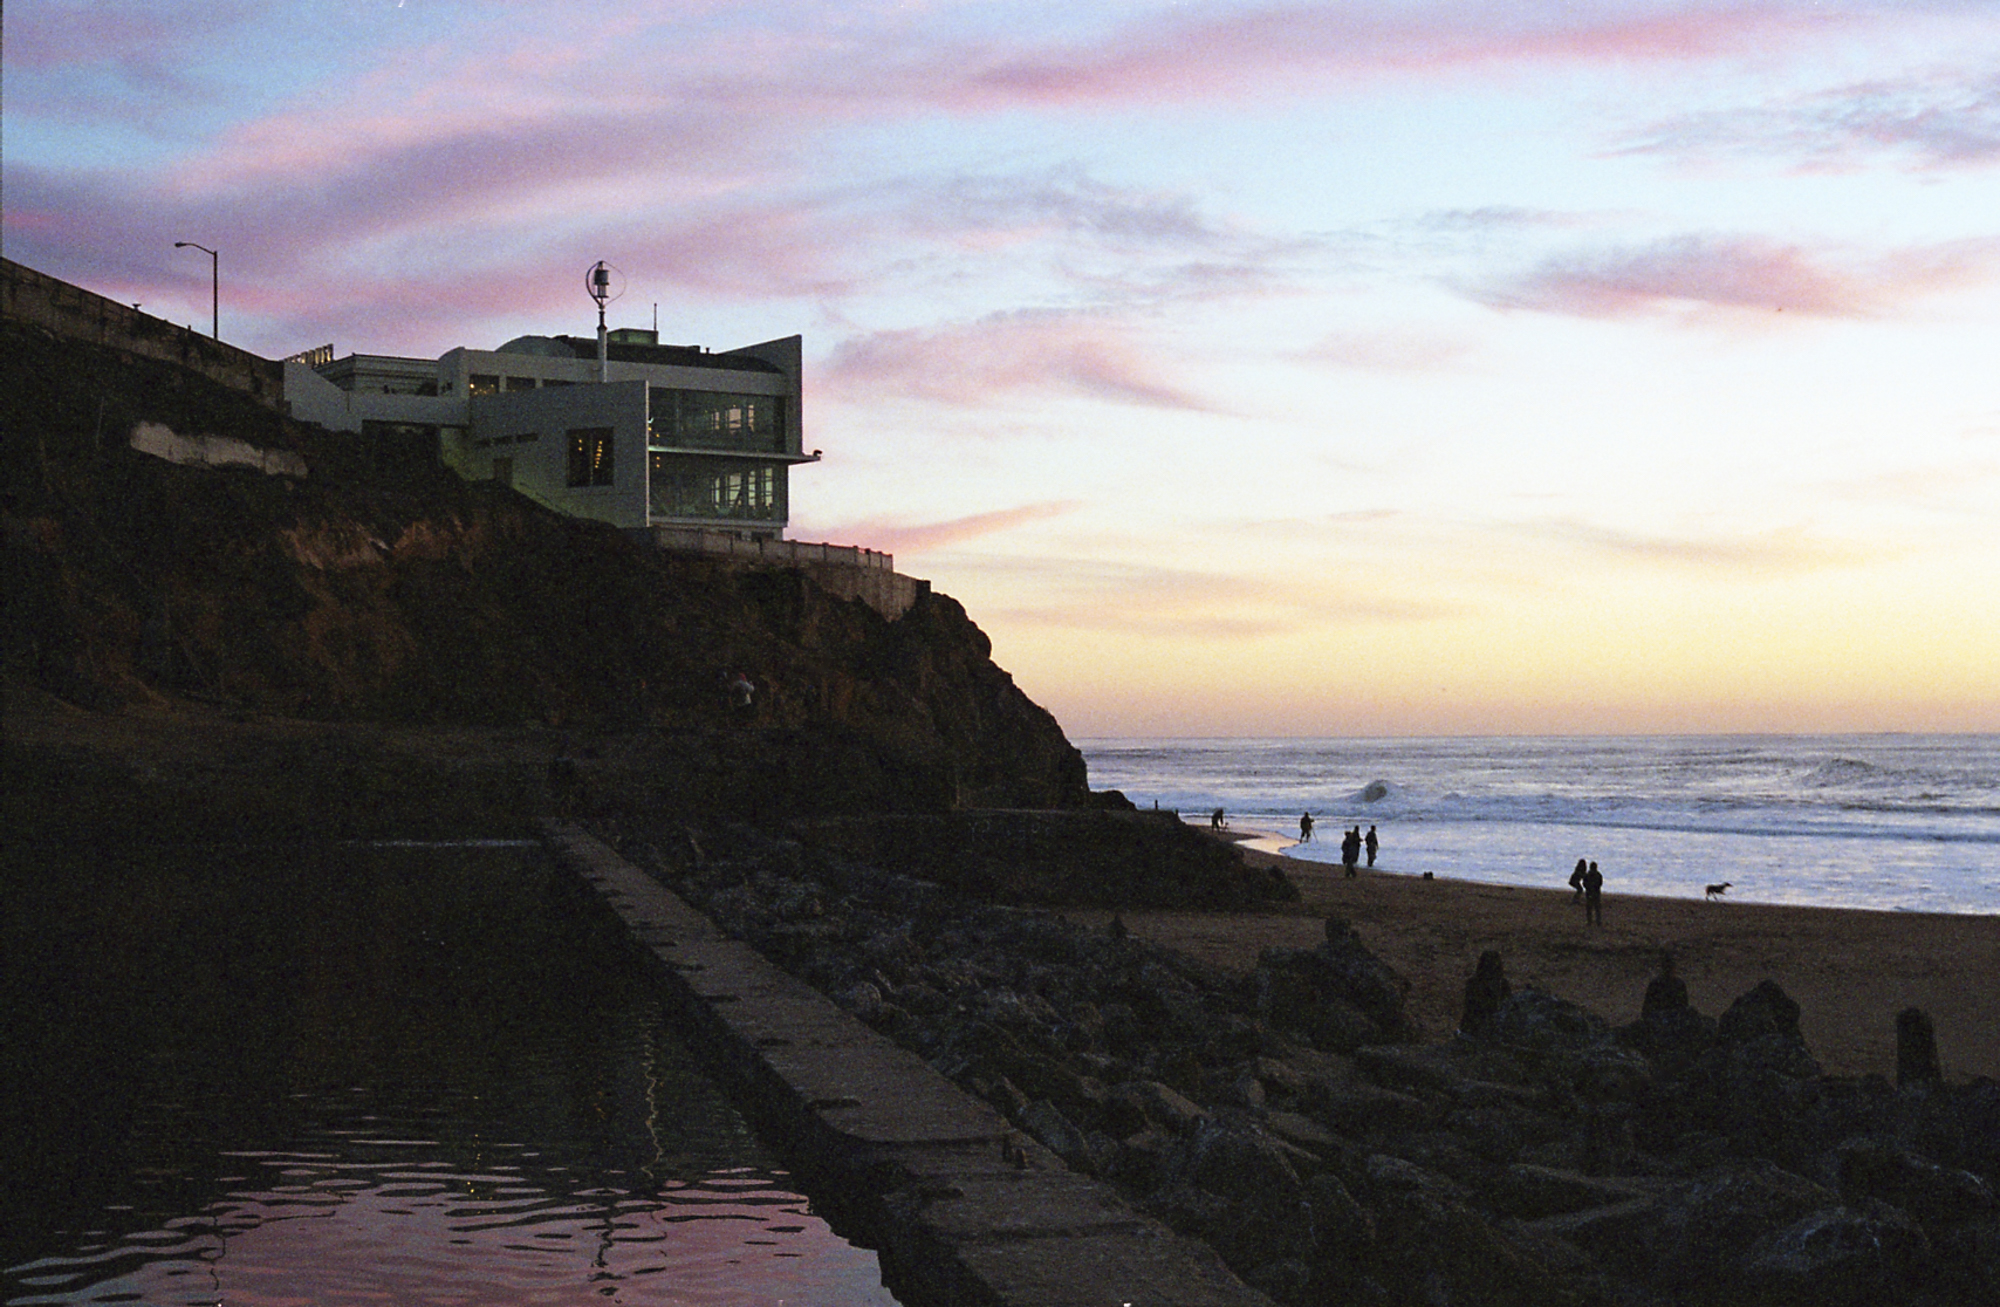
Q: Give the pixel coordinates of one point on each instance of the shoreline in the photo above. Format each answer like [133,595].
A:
[1851,970]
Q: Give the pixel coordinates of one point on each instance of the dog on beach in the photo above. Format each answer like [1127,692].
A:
[1717,891]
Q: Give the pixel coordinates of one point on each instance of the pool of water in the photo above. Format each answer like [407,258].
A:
[366,1075]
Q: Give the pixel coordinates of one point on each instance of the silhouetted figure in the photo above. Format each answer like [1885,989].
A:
[1350,849]
[1576,880]
[1593,896]
[1305,827]
[1916,1048]
[1373,844]
[1485,990]
[1216,821]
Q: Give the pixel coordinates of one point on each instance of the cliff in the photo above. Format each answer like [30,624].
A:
[378,589]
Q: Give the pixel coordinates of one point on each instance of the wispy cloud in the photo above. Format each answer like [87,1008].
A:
[921,537]
[1274,49]
[1740,273]
[1389,351]
[1137,599]
[1781,551]
[1931,122]
[1036,353]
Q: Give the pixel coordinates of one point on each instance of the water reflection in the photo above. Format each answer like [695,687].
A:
[374,1075]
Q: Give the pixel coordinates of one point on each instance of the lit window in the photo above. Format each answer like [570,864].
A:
[590,456]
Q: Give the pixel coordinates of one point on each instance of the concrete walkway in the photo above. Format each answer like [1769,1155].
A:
[962,1208]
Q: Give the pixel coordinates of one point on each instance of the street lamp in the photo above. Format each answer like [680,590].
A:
[214,285]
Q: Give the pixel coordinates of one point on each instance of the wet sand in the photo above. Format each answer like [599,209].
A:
[1850,971]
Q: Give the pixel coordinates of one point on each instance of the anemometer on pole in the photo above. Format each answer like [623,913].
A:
[597,281]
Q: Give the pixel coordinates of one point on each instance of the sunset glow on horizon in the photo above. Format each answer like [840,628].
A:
[1244,369]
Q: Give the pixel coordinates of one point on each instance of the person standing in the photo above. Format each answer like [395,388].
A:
[1305,827]
[1350,849]
[1576,880]
[1372,844]
[1593,896]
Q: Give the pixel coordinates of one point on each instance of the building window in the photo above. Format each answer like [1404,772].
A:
[714,419]
[481,384]
[714,489]
[590,456]
[520,383]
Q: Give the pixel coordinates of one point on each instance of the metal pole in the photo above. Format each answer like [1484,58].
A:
[214,285]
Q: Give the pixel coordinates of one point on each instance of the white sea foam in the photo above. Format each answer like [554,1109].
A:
[1892,822]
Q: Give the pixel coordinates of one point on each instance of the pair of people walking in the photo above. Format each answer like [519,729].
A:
[1351,845]
[1588,882]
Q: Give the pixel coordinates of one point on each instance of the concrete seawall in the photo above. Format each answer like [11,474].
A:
[962,1208]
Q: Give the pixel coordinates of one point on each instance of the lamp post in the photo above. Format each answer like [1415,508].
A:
[214,285]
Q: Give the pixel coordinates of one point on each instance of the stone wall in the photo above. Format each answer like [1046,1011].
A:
[844,570]
[74,313]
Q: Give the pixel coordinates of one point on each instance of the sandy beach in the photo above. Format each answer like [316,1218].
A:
[1850,971]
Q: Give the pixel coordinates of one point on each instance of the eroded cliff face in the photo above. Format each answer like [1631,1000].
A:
[380,588]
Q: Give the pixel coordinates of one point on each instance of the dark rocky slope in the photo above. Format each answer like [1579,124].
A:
[380,588]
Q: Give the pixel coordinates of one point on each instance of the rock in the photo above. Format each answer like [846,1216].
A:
[1765,1011]
[1916,1048]
[1703,1230]
[1059,1135]
[1355,1108]
[1285,1279]
[1159,1105]
[1836,1257]
[1532,1192]
[1246,1199]
[864,1000]
[1485,990]
[1502,1132]
[1426,1070]
[1338,995]
[1884,1169]
[1535,1020]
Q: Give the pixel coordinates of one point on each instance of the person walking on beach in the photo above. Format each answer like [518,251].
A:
[1216,821]
[1372,844]
[1593,896]
[1305,827]
[1576,880]
[1350,849]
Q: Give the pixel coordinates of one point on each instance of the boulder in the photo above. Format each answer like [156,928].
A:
[1234,1186]
[1884,1169]
[1703,1230]
[1532,1192]
[1534,1020]
[1836,1257]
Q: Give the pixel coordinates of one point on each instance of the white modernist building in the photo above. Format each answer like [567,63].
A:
[666,436]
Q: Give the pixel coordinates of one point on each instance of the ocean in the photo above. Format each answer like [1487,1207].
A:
[1893,822]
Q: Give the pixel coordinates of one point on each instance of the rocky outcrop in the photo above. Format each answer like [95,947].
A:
[1296,1120]
[380,588]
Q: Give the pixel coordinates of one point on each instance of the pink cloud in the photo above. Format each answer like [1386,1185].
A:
[1275,47]
[1734,273]
[1019,354]
[917,538]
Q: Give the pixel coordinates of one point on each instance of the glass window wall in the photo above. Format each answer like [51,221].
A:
[715,489]
[713,419]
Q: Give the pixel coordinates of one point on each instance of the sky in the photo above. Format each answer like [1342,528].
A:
[1359,367]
